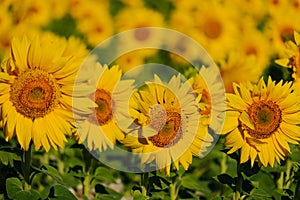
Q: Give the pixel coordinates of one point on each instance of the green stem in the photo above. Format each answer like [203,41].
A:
[280,181]
[173,194]
[239,181]
[223,163]
[144,183]
[297,190]
[289,165]
[86,182]
[86,185]
[26,163]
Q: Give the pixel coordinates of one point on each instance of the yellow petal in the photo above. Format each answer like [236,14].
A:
[20,52]
[54,130]
[231,121]
[264,156]
[282,62]
[11,123]
[293,118]
[245,94]
[245,153]
[290,130]
[245,119]
[39,134]
[282,142]
[234,139]
[236,102]
[34,53]
[23,131]
[253,154]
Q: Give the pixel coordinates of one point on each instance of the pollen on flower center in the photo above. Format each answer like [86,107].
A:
[34,93]
[266,117]
[170,132]
[104,108]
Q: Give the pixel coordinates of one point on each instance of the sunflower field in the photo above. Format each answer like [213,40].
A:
[144,99]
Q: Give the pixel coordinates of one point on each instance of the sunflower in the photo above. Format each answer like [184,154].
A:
[35,13]
[254,42]
[36,90]
[205,90]
[103,127]
[93,21]
[140,35]
[292,59]
[165,123]
[238,67]
[281,29]
[261,120]
[129,61]
[215,27]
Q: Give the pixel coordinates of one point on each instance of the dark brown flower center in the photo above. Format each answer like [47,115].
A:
[212,28]
[142,34]
[34,93]
[170,133]
[103,111]
[266,118]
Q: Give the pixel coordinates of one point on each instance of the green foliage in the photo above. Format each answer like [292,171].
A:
[15,190]
[54,174]
[60,192]
[65,27]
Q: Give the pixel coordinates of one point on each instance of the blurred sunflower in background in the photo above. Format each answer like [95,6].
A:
[137,20]
[291,59]
[36,90]
[261,120]
[237,68]
[165,124]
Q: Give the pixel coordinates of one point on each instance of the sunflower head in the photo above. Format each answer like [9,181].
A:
[36,99]
[261,120]
[103,126]
[292,56]
[165,122]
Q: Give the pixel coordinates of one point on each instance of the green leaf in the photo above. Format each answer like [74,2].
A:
[13,186]
[45,192]
[159,195]
[103,174]
[51,171]
[15,190]
[70,180]
[60,192]
[190,182]
[137,195]
[259,194]
[102,189]
[109,196]
[158,182]
[263,181]
[7,158]
[27,195]
[295,155]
